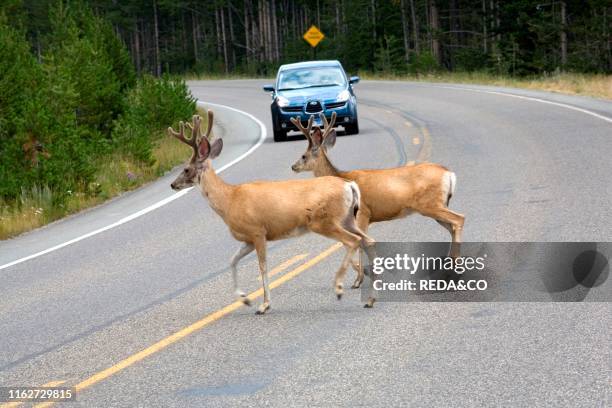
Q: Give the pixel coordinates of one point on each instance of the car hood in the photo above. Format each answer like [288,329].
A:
[301,96]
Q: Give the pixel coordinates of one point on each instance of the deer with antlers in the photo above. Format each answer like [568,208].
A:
[260,211]
[386,194]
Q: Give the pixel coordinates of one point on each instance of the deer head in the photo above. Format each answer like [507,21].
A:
[202,151]
[319,141]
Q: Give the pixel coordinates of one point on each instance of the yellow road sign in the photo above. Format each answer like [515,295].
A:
[313,36]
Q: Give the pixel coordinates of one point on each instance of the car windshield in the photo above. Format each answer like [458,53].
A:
[310,78]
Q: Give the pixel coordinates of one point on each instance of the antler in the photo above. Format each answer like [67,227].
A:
[180,135]
[305,130]
[327,126]
[195,130]
[209,124]
[197,121]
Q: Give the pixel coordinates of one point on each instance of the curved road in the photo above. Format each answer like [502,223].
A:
[531,167]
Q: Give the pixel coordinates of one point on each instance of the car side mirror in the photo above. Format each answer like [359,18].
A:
[268,88]
[354,79]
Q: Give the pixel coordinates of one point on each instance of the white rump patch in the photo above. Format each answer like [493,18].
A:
[352,195]
[450,182]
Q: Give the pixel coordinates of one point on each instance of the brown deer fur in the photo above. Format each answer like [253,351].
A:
[386,194]
[259,211]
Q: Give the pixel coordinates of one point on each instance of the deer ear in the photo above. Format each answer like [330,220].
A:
[330,139]
[215,149]
[317,137]
[203,149]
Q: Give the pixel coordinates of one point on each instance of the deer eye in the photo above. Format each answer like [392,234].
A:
[185,171]
[303,157]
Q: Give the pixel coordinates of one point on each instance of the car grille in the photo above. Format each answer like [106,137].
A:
[314,107]
[333,105]
[292,109]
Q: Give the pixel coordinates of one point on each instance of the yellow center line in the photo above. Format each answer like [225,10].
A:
[285,265]
[186,331]
[425,151]
[16,404]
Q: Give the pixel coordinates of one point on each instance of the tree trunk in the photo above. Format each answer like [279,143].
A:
[194,36]
[274,28]
[157,53]
[231,33]
[405,30]
[434,24]
[218,33]
[373,2]
[224,40]
[485,46]
[563,35]
[247,31]
[415,28]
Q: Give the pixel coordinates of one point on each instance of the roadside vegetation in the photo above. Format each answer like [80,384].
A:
[85,91]
[77,125]
[595,85]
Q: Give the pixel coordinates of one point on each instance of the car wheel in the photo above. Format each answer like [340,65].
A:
[280,135]
[353,128]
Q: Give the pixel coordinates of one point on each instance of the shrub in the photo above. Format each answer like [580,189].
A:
[150,107]
[423,63]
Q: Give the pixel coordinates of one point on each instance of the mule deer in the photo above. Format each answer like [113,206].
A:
[386,194]
[258,212]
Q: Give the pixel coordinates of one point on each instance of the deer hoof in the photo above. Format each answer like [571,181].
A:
[339,291]
[262,309]
[369,304]
[356,285]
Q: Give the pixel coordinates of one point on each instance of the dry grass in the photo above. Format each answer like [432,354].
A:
[599,86]
[115,175]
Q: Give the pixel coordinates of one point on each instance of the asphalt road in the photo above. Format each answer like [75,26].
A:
[529,168]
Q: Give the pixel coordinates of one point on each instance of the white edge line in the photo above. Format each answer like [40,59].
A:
[529,98]
[161,203]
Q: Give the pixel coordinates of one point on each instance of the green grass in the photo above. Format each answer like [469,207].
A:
[114,175]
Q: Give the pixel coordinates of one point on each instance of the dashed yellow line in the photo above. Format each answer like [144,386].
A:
[425,151]
[213,317]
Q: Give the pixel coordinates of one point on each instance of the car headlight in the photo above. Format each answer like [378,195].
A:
[343,96]
[282,101]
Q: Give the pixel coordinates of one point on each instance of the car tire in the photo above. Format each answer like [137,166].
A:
[280,135]
[353,128]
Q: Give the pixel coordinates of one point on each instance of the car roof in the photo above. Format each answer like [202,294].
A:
[310,64]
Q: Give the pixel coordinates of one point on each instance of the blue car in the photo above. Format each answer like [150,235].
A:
[309,88]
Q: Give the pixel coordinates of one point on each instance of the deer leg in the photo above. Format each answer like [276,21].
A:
[367,245]
[363,222]
[243,251]
[350,241]
[453,222]
[260,247]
